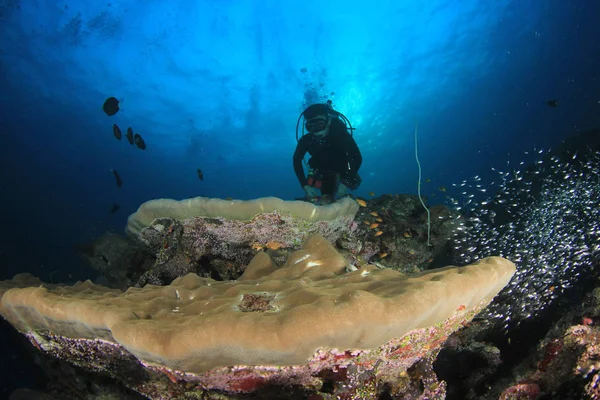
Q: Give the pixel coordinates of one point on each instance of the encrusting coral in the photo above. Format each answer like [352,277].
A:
[282,326]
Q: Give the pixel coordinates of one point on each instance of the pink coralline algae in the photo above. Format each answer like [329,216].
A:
[521,391]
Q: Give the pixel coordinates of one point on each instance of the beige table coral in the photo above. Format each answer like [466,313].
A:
[298,318]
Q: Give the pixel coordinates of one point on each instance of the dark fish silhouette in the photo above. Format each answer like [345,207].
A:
[552,103]
[111,106]
[115,207]
[200,174]
[117,132]
[117,177]
[139,142]
[129,135]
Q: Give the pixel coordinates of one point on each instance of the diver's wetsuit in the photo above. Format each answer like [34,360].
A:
[334,158]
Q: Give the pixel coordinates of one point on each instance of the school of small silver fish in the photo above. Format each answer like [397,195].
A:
[546,219]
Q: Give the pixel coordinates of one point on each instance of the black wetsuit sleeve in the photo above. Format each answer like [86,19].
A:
[299,154]
[354,157]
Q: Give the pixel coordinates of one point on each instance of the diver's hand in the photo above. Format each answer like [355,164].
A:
[342,190]
[310,192]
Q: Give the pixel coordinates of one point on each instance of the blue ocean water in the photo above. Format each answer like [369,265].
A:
[219,85]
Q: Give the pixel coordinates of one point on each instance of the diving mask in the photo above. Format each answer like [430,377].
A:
[317,126]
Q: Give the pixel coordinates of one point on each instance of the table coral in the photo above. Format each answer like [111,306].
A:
[308,328]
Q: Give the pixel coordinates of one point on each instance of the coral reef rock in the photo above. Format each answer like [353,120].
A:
[121,260]
[392,232]
[217,238]
[565,364]
[308,329]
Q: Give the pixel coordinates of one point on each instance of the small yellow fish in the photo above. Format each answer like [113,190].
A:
[442,188]
[371,193]
[378,233]
[382,255]
[374,214]
[366,222]
[274,245]
[378,220]
[361,202]
[407,235]
[427,180]
[373,226]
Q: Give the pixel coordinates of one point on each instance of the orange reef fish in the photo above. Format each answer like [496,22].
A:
[373,226]
[361,202]
[378,233]
[274,245]
[374,214]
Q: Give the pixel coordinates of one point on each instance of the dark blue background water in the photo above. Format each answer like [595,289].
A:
[219,86]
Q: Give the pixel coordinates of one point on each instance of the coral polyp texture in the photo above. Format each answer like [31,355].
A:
[296,327]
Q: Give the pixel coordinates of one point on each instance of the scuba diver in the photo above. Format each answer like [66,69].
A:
[335,157]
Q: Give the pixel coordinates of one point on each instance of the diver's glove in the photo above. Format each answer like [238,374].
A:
[342,190]
[310,192]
